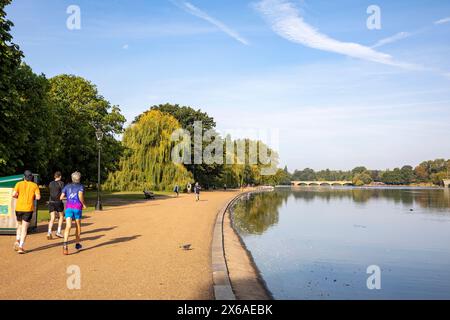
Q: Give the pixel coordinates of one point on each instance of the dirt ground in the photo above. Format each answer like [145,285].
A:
[130,252]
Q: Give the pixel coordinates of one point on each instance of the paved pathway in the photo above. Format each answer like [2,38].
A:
[130,252]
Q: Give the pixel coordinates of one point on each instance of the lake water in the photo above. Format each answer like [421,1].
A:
[317,243]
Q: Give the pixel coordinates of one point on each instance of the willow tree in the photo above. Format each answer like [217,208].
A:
[245,163]
[147,163]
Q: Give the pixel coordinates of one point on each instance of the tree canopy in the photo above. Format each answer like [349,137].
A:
[78,108]
[146,163]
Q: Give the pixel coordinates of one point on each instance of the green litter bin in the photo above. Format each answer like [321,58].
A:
[8,220]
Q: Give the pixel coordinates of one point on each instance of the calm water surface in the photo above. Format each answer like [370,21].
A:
[317,243]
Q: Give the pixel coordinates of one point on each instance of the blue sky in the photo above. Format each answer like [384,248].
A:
[305,68]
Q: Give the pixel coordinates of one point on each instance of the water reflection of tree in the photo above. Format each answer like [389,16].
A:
[425,198]
[258,213]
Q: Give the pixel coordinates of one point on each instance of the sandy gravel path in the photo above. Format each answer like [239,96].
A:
[130,252]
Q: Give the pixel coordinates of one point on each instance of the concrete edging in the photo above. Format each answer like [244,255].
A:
[223,289]
[221,280]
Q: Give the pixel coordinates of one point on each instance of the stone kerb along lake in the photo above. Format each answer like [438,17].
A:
[318,243]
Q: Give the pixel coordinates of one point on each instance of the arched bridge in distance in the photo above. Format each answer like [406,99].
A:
[320,183]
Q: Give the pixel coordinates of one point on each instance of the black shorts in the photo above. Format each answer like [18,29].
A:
[56,206]
[24,216]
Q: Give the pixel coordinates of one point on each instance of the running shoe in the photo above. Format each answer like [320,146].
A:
[78,246]
[59,235]
[16,246]
[49,236]
[21,250]
[66,250]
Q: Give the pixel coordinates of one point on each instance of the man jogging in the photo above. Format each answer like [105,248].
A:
[56,206]
[74,193]
[25,192]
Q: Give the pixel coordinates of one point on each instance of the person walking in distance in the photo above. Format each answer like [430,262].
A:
[55,205]
[177,190]
[197,189]
[26,192]
[74,193]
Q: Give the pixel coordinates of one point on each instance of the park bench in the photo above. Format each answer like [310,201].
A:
[149,195]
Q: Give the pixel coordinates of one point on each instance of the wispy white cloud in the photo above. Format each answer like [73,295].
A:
[404,35]
[443,21]
[195,11]
[397,37]
[286,21]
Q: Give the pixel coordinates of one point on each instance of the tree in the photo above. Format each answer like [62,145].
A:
[376,175]
[359,170]
[34,121]
[78,108]
[11,133]
[392,177]
[186,116]
[407,174]
[421,173]
[304,175]
[362,179]
[147,162]
[205,174]
[283,178]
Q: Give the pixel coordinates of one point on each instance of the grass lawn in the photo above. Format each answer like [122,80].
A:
[109,199]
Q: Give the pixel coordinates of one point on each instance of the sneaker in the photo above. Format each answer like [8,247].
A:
[49,236]
[21,250]
[78,246]
[16,246]
[66,250]
[59,235]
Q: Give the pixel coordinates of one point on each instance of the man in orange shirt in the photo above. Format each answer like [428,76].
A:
[25,192]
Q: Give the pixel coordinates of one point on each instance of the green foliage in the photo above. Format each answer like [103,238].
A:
[304,175]
[186,116]
[25,126]
[242,172]
[10,103]
[77,107]
[205,174]
[359,170]
[146,163]
[407,174]
[361,179]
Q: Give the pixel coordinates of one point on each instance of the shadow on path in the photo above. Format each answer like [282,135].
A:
[97,230]
[113,241]
[43,227]
[60,243]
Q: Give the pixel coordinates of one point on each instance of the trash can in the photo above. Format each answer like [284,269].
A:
[8,222]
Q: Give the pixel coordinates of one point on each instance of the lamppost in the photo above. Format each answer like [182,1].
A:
[99,136]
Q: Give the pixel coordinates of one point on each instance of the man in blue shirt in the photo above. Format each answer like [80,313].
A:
[74,193]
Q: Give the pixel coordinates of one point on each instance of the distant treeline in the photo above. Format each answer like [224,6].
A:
[428,172]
